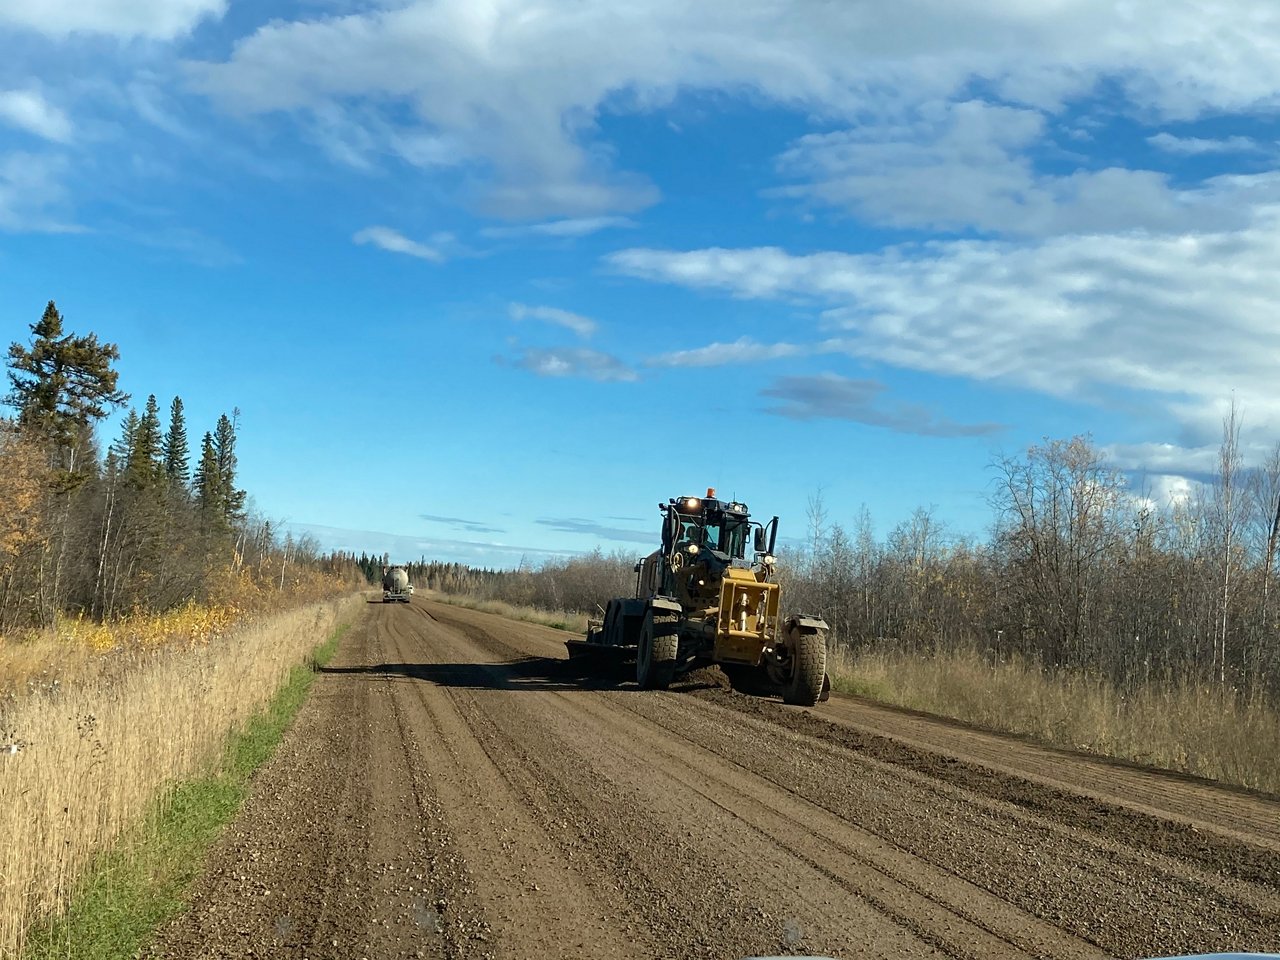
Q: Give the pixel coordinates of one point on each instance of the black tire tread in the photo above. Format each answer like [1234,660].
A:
[809,667]
[664,651]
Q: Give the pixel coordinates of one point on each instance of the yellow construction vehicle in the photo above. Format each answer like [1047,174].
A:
[709,596]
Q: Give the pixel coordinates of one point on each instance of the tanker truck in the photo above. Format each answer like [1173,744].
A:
[396,586]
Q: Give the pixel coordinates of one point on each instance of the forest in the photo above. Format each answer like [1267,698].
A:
[149,524]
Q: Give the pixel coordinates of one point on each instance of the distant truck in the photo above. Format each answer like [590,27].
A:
[396,586]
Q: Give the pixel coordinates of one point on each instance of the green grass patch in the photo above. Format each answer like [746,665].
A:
[859,686]
[132,890]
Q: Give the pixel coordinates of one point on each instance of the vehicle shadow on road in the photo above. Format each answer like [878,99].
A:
[529,673]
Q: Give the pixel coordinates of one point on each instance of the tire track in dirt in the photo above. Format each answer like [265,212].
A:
[942,908]
[952,932]
[520,875]
[937,915]
[1233,812]
[1186,816]
[1222,850]
[321,861]
[1126,889]
[679,897]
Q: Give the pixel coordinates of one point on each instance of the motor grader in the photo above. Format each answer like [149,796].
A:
[708,595]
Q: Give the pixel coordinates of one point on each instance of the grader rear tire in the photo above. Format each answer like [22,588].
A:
[808,669]
[657,653]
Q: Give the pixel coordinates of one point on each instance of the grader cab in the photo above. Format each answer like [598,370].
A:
[708,595]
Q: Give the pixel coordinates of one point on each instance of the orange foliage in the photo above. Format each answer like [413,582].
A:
[189,626]
[78,649]
[24,475]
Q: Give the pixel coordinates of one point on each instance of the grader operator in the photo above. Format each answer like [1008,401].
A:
[708,595]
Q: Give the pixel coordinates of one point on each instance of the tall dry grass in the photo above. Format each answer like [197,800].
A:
[81,764]
[78,650]
[1202,730]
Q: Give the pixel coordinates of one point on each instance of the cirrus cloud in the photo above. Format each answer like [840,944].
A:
[575,362]
[582,326]
[29,110]
[396,242]
[742,350]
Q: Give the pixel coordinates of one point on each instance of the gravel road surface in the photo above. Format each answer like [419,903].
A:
[455,788]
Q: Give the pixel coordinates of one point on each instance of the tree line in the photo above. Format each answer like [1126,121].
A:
[574,584]
[134,528]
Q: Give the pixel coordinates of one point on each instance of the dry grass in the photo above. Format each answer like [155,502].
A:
[560,619]
[82,763]
[1185,727]
[78,650]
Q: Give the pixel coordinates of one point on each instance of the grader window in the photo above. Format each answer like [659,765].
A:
[712,536]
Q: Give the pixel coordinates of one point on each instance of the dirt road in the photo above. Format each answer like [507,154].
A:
[453,789]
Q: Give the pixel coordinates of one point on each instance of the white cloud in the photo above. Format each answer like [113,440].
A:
[961,165]
[1158,491]
[152,19]
[573,362]
[474,81]
[28,110]
[1164,458]
[582,326]
[1186,319]
[1193,146]
[32,193]
[1168,491]
[573,227]
[951,165]
[742,350]
[396,242]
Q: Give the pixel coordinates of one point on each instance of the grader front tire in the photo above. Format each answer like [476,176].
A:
[657,654]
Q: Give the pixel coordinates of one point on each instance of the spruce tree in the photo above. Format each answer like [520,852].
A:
[208,482]
[146,466]
[62,384]
[224,445]
[123,448]
[177,455]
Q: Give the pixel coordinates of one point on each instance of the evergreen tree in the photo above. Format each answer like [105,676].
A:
[62,384]
[146,466]
[224,445]
[123,448]
[208,482]
[177,455]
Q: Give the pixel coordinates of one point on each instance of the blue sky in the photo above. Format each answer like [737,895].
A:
[490,279]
